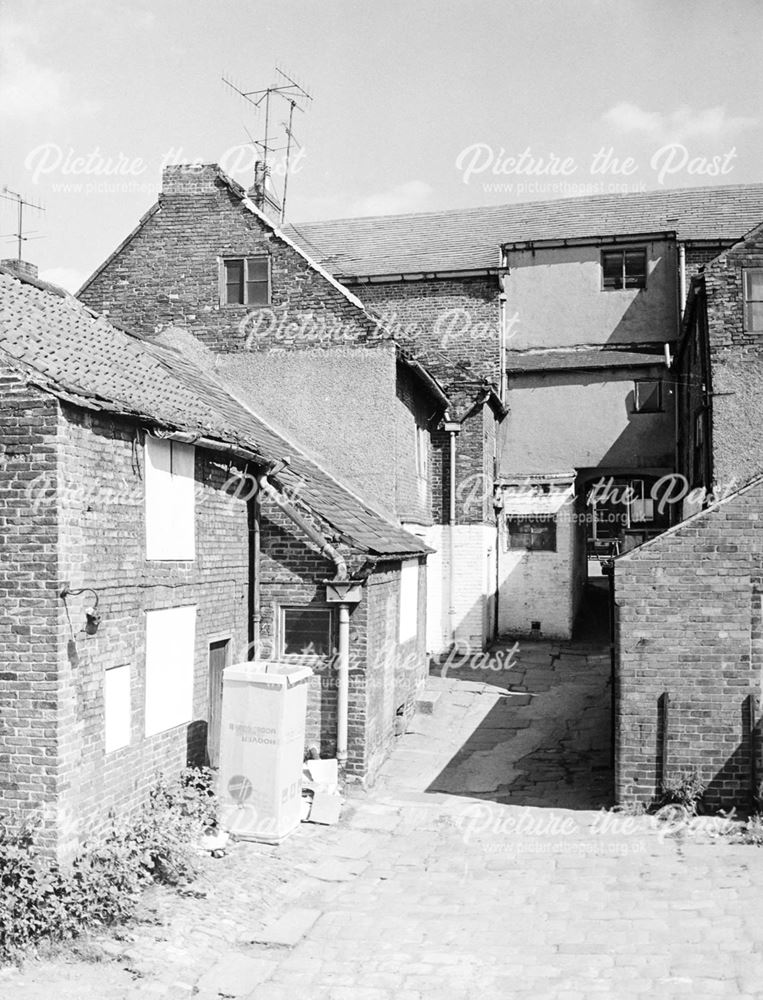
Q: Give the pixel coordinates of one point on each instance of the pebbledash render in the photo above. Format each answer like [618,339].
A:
[155,528]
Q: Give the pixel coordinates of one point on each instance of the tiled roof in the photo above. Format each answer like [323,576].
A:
[467,239]
[542,361]
[61,346]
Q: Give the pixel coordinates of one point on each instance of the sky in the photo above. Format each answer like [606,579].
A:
[417,105]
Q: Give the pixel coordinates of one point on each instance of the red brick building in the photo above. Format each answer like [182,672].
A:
[689,602]
[152,533]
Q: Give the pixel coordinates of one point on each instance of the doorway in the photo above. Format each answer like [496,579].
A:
[219,658]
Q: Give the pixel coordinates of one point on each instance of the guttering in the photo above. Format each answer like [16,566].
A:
[402,276]
[681,283]
[326,549]
[426,377]
[586,241]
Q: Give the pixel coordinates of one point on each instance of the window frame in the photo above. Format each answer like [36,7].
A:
[623,253]
[638,405]
[244,259]
[283,609]
[748,301]
[537,521]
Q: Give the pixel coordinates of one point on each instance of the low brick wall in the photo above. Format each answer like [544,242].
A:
[689,628]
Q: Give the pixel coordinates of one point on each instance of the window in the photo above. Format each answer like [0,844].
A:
[307,631]
[623,268]
[641,503]
[534,532]
[170,503]
[170,642]
[409,600]
[245,281]
[116,707]
[648,396]
[753,299]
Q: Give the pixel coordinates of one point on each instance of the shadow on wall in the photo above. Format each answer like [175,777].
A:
[546,741]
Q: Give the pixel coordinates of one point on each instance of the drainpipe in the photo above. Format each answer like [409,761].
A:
[502,328]
[343,654]
[681,283]
[312,533]
[452,427]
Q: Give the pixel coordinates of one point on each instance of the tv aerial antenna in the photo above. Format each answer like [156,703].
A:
[21,204]
[296,96]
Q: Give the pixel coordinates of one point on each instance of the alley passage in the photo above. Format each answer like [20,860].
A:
[479,866]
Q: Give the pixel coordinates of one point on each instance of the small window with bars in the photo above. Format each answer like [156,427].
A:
[753,299]
[623,268]
[306,631]
[533,533]
[245,281]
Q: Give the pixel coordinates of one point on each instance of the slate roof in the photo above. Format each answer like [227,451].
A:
[61,346]
[543,361]
[470,239]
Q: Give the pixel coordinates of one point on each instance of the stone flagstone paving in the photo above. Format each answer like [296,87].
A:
[480,865]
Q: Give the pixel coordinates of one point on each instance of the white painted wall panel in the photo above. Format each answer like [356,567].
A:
[117,707]
[170,499]
[170,641]
[409,600]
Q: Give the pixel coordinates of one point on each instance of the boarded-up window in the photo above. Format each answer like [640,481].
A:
[170,642]
[409,600]
[170,507]
[117,707]
[306,631]
[753,299]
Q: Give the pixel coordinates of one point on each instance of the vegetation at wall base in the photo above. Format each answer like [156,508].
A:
[41,900]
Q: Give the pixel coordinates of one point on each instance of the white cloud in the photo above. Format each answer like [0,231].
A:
[28,88]
[675,126]
[65,277]
[410,196]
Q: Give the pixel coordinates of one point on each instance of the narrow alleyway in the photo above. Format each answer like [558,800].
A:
[481,865]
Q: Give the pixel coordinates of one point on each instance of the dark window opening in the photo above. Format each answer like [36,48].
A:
[623,268]
[648,396]
[246,281]
[533,533]
[306,632]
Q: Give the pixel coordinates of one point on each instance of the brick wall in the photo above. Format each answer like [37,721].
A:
[28,602]
[736,361]
[167,275]
[396,670]
[102,545]
[444,322]
[689,626]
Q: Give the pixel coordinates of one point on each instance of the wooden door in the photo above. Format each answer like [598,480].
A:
[218,660]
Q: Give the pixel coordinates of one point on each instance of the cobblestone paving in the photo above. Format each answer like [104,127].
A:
[481,865]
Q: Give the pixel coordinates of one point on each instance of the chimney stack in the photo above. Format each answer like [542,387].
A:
[21,268]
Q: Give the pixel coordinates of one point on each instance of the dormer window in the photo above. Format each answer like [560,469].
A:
[623,268]
[245,281]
